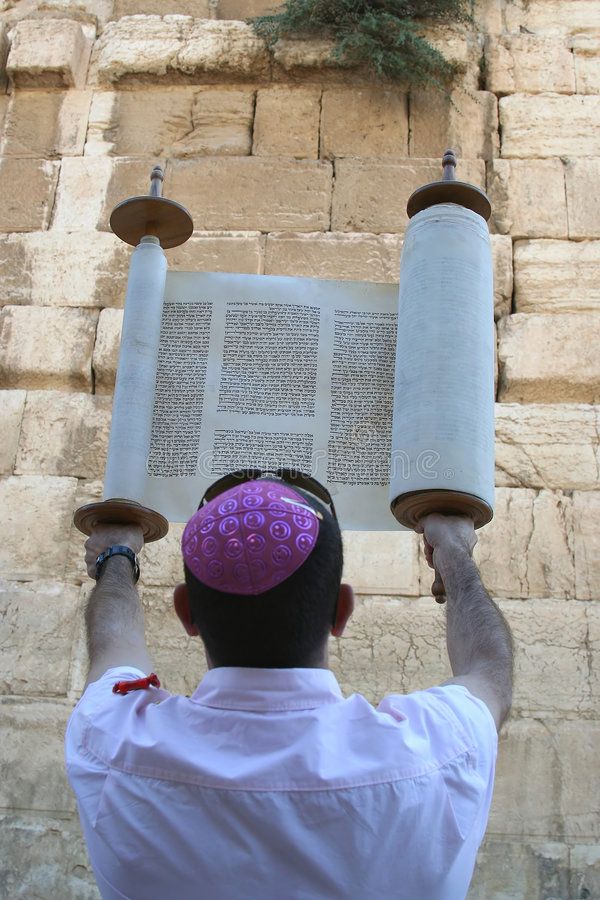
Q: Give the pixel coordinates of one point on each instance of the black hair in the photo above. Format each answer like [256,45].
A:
[285,627]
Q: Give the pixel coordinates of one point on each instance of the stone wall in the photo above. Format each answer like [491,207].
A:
[291,167]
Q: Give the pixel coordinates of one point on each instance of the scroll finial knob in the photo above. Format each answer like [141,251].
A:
[449,164]
[157,176]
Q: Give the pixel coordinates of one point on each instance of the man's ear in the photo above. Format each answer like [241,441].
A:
[344,609]
[181,602]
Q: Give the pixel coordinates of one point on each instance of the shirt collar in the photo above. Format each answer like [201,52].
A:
[262,690]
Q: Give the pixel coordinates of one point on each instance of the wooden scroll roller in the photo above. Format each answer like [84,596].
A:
[150,223]
[443,429]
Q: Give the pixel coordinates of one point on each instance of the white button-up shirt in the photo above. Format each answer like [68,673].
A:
[267,784]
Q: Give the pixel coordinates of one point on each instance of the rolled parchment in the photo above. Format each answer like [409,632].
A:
[134,389]
[443,420]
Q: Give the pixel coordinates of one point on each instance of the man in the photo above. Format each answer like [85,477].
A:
[267,784]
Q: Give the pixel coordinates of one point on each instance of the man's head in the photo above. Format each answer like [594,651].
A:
[263,565]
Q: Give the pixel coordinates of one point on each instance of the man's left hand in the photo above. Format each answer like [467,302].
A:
[104,536]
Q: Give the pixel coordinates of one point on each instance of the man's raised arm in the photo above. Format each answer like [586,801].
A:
[114,617]
[477,634]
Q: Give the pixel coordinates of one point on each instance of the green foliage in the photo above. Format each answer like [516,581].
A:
[386,36]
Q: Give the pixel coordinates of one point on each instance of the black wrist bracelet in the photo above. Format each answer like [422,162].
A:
[118,550]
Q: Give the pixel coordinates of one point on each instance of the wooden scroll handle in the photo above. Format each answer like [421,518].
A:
[121,512]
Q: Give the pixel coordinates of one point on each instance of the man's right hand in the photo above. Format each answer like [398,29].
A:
[445,537]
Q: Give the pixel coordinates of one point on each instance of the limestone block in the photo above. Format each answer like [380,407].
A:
[581,177]
[106,350]
[48,53]
[4,49]
[545,125]
[488,16]
[162,564]
[128,177]
[246,9]
[528,63]
[37,617]
[577,748]
[88,491]
[27,187]
[351,257]
[586,53]
[37,513]
[371,194]
[200,9]
[552,16]
[557,276]
[465,121]
[64,434]
[81,194]
[520,868]
[43,125]
[364,121]
[220,251]
[33,756]
[528,198]
[460,45]
[381,562]
[286,122]
[526,550]
[12,404]
[57,268]
[147,47]
[585,870]
[391,646]
[44,857]
[46,348]
[552,659]
[178,121]
[549,358]
[178,659]
[586,509]
[253,193]
[554,445]
[296,54]
[502,258]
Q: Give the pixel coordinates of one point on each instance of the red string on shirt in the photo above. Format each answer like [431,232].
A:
[138,684]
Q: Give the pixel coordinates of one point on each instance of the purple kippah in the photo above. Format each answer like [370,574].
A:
[250,538]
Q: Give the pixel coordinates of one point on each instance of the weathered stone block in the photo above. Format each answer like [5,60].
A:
[37,617]
[350,257]
[57,268]
[254,193]
[295,55]
[240,251]
[64,434]
[106,350]
[520,868]
[528,63]
[549,359]
[246,9]
[461,45]
[364,121]
[577,749]
[127,177]
[381,563]
[162,564]
[581,177]
[149,47]
[49,53]
[585,870]
[547,446]
[391,646]
[33,752]
[37,514]
[526,550]
[547,125]
[4,49]
[465,121]
[77,207]
[27,187]
[46,348]
[586,53]
[502,258]
[44,856]
[552,16]
[178,121]
[370,195]
[75,569]
[557,276]
[528,197]
[42,125]
[286,122]
[199,9]
[586,539]
[12,404]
